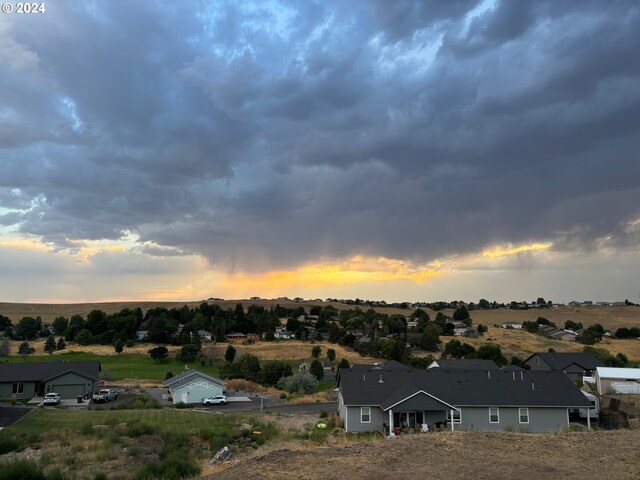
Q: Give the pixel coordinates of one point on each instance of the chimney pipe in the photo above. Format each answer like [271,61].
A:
[533,386]
[489,374]
[514,375]
[380,381]
[521,375]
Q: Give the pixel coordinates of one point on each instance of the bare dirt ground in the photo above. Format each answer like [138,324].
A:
[452,456]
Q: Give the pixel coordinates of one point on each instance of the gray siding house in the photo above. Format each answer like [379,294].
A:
[28,380]
[574,365]
[399,399]
[191,386]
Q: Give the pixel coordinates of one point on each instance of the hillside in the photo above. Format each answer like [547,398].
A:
[452,456]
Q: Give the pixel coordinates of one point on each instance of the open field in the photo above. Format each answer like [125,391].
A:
[452,456]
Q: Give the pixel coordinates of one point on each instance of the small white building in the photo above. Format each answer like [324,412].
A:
[191,386]
[618,380]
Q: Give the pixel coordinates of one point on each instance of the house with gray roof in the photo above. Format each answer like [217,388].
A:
[35,379]
[191,386]
[574,364]
[394,400]
[464,364]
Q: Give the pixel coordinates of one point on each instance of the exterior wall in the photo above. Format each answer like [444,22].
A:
[28,390]
[69,385]
[540,419]
[195,391]
[532,362]
[353,424]
[574,371]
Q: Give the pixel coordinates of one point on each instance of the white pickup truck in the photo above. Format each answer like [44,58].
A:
[104,395]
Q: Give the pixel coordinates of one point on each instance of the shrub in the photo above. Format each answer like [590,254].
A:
[137,429]
[21,470]
[301,382]
[174,467]
[8,445]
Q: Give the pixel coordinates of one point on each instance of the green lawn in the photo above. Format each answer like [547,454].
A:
[128,365]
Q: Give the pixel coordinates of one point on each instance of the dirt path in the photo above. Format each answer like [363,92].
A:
[453,456]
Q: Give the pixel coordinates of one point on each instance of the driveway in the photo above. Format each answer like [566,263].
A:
[11,414]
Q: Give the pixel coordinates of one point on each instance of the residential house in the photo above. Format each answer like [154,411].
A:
[235,336]
[327,366]
[617,380]
[69,379]
[191,386]
[512,325]
[401,399]
[464,364]
[283,334]
[141,335]
[204,335]
[566,335]
[574,364]
[459,328]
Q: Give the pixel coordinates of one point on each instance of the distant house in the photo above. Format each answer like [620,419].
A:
[204,335]
[574,365]
[618,380]
[565,335]
[191,386]
[464,364]
[327,366]
[512,325]
[395,400]
[142,335]
[283,334]
[69,379]
[235,336]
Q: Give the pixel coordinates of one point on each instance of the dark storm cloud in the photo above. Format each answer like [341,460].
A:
[267,134]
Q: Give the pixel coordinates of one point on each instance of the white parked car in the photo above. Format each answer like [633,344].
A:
[52,399]
[215,400]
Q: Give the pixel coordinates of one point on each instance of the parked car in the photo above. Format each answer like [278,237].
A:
[215,400]
[52,399]
[104,395]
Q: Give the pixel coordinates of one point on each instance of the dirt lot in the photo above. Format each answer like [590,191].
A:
[452,456]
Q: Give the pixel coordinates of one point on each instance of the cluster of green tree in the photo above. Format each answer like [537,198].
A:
[488,351]
[271,372]
[624,332]
[619,360]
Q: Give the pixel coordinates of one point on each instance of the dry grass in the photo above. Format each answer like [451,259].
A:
[139,348]
[289,350]
[452,456]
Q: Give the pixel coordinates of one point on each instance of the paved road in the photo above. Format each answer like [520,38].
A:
[9,414]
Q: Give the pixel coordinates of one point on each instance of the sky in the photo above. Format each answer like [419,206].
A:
[392,150]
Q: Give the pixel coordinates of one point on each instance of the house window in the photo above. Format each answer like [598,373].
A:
[17,388]
[494,415]
[523,414]
[457,416]
[365,414]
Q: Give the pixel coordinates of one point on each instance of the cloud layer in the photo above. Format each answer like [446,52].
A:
[263,136]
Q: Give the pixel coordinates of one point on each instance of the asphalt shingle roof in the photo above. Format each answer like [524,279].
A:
[468,364]
[560,361]
[460,387]
[41,371]
[188,376]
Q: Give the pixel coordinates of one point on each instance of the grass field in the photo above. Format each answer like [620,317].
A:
[127,366]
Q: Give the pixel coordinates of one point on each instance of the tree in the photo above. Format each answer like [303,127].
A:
[482,328]
[28,328]
[316,369]
[461,314]
[484,304]
[5,347]
[571,325]
[159,353]
[491,351]
[118,346]
[84,337]
[301,383]
[589,337]
[344,363]
[188,353]
[230,353]
[421,362]
[25,349]
[457,349]
[61,345]
[315,351]
[249,367]
[168,375]
[331,354]
[60,324]
[50,345]
[273,371]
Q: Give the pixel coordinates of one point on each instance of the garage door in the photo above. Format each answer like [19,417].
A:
[68,392]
